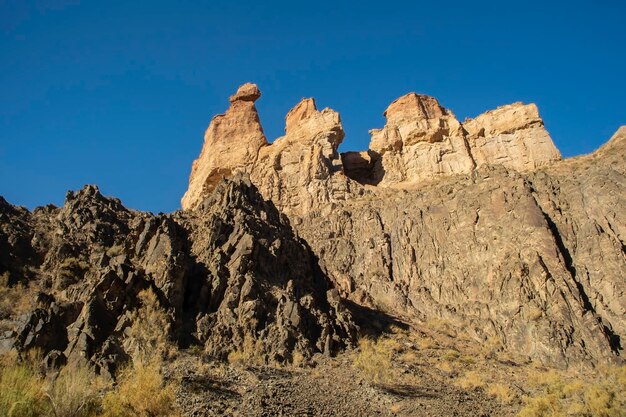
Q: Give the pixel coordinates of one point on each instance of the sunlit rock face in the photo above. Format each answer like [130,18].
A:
[513,136]
[298,171]
[479,223]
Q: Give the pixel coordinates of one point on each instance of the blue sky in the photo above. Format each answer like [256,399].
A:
[119,94]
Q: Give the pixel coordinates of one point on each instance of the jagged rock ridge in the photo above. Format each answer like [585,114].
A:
[230,273]
[476,224]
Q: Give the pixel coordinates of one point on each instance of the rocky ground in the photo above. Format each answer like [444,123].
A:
[415,384]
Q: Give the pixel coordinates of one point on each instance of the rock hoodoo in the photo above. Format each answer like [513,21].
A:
[297,171]
[231,144]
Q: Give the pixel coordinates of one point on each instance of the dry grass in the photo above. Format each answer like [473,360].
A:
[442,326]
[250,352]
[75,392]
[147,336]
[501,392]
[600,395]
[297,359]
[15,300]
[373,359]
[141,392]
[427,343]
[446,367]
[471,380]
[21,391]
[451,355]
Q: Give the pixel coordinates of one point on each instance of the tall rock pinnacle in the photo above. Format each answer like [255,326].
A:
[297,171]
[231,144]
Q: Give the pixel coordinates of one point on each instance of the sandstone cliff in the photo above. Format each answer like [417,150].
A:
[298,171]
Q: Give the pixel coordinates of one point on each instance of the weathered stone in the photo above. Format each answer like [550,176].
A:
[513,136]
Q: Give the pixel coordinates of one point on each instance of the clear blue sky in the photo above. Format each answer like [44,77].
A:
[119,93]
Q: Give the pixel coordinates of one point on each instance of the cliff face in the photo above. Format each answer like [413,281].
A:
[479,224]
[476,225]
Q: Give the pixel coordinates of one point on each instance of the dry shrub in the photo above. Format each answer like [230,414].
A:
[446,367]
[374,359]
[141,392]
[75,392]
[547,405]
[471,380]
[409,357]
[15,300]
[501,392]
[297,359]
[21,391]
[491,346]
[427,343]
[442,326]
[147,336]
[250,352]
[451,355]
[601,396]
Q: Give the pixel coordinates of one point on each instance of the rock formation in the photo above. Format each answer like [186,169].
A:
[231,144]
[513,136]
[231,275]
[477,225]
[421,140]
[460,226]
[297,171]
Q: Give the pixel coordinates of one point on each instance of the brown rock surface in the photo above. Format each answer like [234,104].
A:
[231,274]
[297,171]
[493,247]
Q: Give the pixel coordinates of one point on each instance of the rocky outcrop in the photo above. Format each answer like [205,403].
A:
[475,226]
[513,136]
[474,223]
[230,275]
[302,170]
[421,140]
[297,171]
[263,289]
[499,256]
[231,144]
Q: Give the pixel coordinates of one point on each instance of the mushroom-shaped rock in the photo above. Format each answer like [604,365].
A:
[246,92]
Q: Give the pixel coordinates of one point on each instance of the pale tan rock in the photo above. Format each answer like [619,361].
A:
[231,144]
[246,92]
[421,140]
[302,170]
[297,172]
[513,136]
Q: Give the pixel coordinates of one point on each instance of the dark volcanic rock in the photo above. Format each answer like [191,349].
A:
[232,276]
